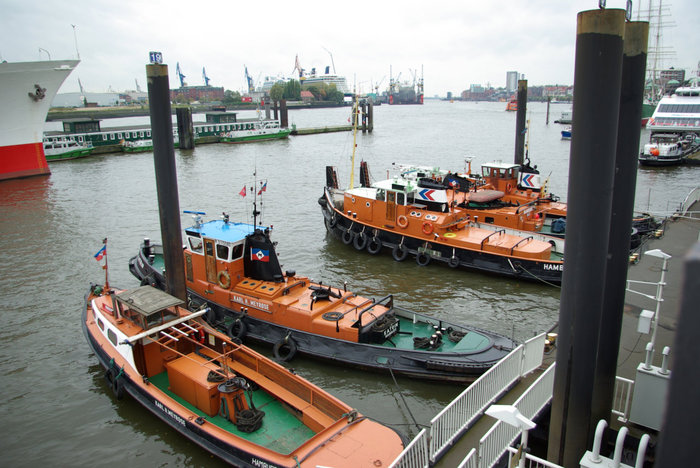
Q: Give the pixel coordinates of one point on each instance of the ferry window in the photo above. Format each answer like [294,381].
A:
[100,324]
[111,136]
[119,136]
[104,137]
[400,198]
[222,252]
[112,336]
[237,252]
[141,133]
[380,194]
[148,133]
[195,244]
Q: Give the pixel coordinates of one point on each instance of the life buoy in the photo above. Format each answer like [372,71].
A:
[200,336]
[360,241]
[374,246]
[399,252]
[285,349]
[422,258]
[402,222]
[449,234]
[427,227]
[347,237]
[224,279]
[237,329]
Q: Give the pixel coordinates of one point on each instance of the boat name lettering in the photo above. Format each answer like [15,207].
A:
[261,464]
[553,266]
[248,302]
[391,330]
[170,413]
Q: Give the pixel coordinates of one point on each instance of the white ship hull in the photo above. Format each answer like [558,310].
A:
[26,92]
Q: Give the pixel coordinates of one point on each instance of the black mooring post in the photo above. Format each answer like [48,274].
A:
[597,78]
[520,120]
[166,178]
[683,405]
[629,129]
[185,127]
[549,101]
[284,118]
[275,112]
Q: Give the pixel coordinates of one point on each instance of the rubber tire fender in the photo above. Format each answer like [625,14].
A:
[422,258]
[374,246]
[118,388]
[333,221]
[360,241]
[347,237]
[399,252]
[281,345]
[453,262]
[237,329]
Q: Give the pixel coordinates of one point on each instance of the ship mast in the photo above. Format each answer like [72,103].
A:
[354,141]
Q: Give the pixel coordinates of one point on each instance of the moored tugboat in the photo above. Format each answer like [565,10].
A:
[233,269]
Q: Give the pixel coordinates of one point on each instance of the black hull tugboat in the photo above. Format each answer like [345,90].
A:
[232,268]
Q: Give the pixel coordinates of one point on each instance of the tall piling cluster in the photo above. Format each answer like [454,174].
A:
[608,86]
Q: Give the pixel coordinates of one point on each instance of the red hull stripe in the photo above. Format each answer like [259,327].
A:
[22,161]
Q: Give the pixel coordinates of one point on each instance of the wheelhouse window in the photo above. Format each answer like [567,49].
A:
[195,244]
[381,194]
[222,252]
[112,336]
[237,251]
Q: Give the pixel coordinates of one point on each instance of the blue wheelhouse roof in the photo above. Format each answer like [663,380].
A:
[219,230]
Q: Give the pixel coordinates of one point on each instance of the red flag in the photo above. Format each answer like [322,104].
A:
[262,189]
[242,192]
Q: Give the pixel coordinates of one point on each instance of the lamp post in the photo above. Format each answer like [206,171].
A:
[659,291]
[511,415]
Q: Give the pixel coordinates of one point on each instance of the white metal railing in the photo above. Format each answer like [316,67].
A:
[472,402]
[495,442]
[415,455]
[470,460]
[531,460]
[456,417]
[622,398]
[693,196]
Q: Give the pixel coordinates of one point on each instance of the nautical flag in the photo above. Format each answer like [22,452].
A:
[262,189]
[242,192]
[260,255]
[101,253]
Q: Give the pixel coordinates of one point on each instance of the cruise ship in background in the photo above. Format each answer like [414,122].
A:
[26,92]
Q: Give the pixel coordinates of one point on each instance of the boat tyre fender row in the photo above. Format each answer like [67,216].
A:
[347,237]
[399,252]
[374,246]
[237,330]
[422,258]
[285,349]
[360,241]
[113,377]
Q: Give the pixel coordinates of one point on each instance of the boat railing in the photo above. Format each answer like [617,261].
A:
[533,202]
[622,398]
[389,299]
[512,249]
[692,198]
[286,290]
[498,231]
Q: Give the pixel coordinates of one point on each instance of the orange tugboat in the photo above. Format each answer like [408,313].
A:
[233,269]
[228,399]
[419,219]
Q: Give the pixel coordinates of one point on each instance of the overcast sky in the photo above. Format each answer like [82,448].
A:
[455,43]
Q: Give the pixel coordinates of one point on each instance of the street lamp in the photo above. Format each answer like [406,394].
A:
[511,415]
[659,290]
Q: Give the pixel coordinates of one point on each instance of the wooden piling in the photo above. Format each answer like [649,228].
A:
[520,119]
[185,127]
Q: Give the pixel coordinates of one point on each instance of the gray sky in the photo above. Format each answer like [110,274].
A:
[457,43]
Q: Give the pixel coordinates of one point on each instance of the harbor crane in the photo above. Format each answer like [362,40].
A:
[249,81]
[180,76]
[205,77]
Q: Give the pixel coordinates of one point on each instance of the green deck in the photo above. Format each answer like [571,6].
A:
[472,341]
[281,431]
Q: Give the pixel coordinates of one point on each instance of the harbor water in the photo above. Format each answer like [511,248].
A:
[57,409]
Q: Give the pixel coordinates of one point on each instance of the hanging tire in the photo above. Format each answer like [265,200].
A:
[374,246]
[285,349]
[422,258]
[110,374]
[237,329]
[333,222]
[118,388]
[210,316]
[453,262]
[360,241]
[347,237]
[399,252]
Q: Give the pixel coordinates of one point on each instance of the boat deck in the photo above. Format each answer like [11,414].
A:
[285,435]
[408,330]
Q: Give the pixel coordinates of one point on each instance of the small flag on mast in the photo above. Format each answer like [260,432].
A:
[262,189]
[101,253]
[242,192]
